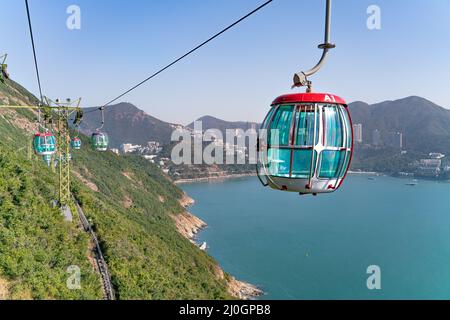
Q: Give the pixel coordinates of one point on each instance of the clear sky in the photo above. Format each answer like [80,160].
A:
[236,76]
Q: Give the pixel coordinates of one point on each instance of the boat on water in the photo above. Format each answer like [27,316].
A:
[413,183]
[204,246]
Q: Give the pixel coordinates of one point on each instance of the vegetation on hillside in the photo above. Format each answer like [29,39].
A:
[130,204]
[36,244]
[131,214]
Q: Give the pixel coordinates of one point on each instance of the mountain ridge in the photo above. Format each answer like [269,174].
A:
[419,120]
[126,123]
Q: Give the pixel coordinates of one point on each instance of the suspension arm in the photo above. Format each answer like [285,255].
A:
[301,78]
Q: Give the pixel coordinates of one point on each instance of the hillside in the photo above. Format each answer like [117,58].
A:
[135,210]
[419,120]
[425,125]
[209,122]
[125,123]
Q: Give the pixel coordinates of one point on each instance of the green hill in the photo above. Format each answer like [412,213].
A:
[425,125]
[134,209]
[125,123]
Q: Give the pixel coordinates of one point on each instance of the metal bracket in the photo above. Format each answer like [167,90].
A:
[301,78]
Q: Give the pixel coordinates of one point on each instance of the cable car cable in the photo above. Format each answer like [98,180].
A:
[34,51]
[186,54]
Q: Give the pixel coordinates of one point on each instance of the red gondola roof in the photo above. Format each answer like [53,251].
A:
[309,97]
[44,134]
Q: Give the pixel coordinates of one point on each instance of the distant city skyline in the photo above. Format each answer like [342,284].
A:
[238,75]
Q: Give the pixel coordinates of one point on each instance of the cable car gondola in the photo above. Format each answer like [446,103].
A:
[75,143]
[100,141]
[307,143]
[3,69]
[44,144]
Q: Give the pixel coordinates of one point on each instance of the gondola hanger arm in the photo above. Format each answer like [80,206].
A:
[301,78]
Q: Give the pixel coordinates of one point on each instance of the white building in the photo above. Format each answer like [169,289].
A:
[358,132]
[435,155]
[128,148]
[376,138]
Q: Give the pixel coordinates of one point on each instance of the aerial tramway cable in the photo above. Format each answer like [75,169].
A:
[185,55]
[34,52]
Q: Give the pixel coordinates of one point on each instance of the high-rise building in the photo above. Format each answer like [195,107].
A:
[358,133]
[376,138]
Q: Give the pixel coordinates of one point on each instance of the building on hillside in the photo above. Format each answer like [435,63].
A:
[376,138]
[358,132]
[129,148]
[430,167]
[435,155]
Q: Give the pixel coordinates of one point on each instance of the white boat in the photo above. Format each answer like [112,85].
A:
[413,183]
[204,246]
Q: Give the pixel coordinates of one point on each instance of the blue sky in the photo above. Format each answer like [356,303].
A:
[239,74]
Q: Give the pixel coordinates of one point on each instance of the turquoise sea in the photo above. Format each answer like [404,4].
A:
[320,247]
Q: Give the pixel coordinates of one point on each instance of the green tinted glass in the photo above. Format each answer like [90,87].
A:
[331,163]
[279,162]
[305,124]
[301,166]
[280,128]
[332,126]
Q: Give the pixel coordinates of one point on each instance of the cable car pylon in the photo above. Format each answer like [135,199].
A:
[62,112]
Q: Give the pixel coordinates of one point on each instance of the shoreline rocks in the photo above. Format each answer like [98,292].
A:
[189,226]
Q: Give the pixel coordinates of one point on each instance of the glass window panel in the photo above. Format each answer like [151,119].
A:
[305,126]
[331,163]
[301,166]
[332,126]
[344,168]
[279,161]
[269,116]
[347,126]
[280,128]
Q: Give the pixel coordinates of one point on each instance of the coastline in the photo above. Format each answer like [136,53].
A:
[244,175]
[214,178]
[189,226]
[365,172]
